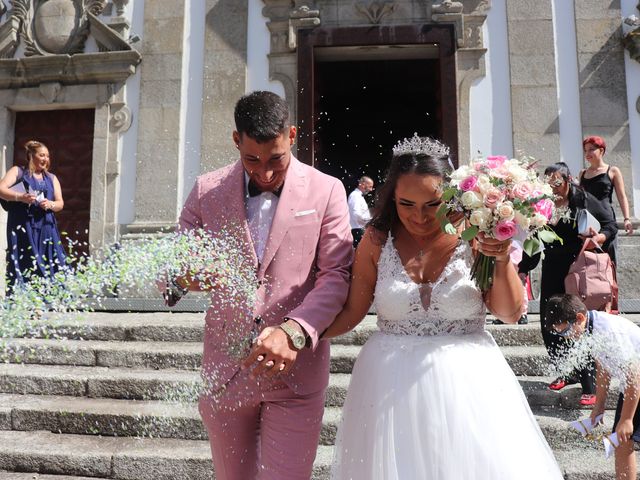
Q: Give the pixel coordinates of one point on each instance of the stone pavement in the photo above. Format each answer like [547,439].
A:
[96,406]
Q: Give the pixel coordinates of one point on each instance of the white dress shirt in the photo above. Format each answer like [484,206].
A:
[358,209]
[260,212]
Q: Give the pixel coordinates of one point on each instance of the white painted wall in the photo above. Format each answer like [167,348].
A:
[258,46]
[489,100]
[628,7]
[191,98]
[567,78]
[127,147]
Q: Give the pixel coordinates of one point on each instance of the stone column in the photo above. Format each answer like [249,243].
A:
[225,65]
[603,88]
[157,173]
[534,100]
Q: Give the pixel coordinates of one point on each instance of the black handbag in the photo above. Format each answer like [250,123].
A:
[7,203]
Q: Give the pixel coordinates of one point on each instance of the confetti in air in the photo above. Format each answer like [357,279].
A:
[37,308]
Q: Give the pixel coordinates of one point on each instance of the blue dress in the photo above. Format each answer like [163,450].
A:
[34,246]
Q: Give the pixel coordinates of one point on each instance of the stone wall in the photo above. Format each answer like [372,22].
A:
[159,116]
[225,78]
[534,104]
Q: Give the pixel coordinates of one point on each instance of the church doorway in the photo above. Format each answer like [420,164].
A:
[361,90]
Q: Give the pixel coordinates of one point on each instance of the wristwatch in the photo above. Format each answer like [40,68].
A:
[298,340]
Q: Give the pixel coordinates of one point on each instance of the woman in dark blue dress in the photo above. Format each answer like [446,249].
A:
[33,195]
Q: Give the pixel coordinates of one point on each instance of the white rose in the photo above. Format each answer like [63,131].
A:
[517,173]
[471,199]
[505,210]
[460,174]
[481,218]
[538,220]
[483,184]
[546,189]
[521,220]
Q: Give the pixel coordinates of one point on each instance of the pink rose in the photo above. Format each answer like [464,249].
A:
[522,190]
[544,207]
[468,183]
[492,197]
[504,230]
[495,161]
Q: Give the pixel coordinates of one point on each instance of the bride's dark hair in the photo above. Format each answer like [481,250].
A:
[385,214]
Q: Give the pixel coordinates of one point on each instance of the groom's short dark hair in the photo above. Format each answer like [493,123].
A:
[261,115]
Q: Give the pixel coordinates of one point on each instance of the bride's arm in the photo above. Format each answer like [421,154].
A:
[505,297]
[363,283]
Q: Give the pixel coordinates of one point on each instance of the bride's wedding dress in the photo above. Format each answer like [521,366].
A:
[431,396]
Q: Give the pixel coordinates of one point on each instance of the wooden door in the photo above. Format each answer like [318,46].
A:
[68,134]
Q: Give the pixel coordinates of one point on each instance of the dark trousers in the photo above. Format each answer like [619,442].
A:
[554,269]
[357,235]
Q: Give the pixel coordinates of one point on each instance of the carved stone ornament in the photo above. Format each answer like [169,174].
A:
[3,9]
[120,120]
[50,91]
[631,42]
[376,11]
[447,6]
[120,6]
[302,16]
[53,27]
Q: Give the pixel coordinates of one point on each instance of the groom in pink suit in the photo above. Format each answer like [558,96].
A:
[263,412]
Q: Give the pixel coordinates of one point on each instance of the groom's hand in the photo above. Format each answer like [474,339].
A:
[272,354]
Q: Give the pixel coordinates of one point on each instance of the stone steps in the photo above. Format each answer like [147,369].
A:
[155,419]
[74,457]
[124,458]
[111,380]
[523,360]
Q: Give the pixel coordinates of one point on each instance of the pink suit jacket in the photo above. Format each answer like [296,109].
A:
[305,270]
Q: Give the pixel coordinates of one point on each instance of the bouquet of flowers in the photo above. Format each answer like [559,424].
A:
[503,198]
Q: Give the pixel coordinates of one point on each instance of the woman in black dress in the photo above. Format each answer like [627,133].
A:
[601,180]
[558,257]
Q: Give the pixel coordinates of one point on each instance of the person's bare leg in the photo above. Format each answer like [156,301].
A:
[625,461]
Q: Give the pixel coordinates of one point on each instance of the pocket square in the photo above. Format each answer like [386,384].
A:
[302,213]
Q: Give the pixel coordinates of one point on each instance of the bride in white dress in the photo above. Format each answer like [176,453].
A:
[431,396]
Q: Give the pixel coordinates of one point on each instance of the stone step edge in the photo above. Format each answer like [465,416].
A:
[127,418]
[116,457]
[575,464]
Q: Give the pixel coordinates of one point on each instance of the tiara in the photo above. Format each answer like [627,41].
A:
[423,145]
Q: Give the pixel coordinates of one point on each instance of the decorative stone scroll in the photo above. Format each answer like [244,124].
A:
[120,118]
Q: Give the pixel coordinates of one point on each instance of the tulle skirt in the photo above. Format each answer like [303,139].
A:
[438,408]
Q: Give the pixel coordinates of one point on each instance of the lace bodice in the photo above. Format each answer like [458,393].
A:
[453,303]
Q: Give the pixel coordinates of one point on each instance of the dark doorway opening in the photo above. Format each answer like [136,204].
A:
[68,134]
[364,107]
[361,89]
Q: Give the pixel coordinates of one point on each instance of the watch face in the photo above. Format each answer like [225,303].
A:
[298,341]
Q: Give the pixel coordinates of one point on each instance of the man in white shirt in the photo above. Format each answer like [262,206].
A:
[291,223]
[359,213]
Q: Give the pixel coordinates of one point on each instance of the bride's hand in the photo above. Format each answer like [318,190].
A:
[491,247]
